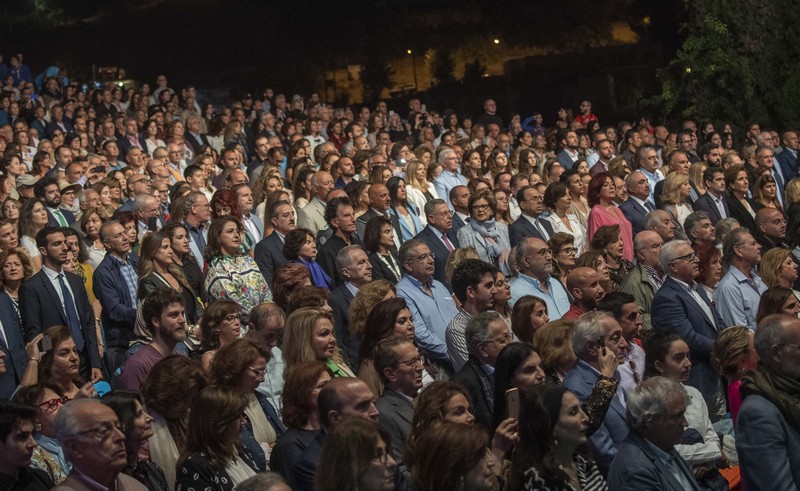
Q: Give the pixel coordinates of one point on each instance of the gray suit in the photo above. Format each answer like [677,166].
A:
[396,414]
[312,216]
[638,468]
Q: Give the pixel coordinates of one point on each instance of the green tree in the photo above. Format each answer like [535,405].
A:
[376,74]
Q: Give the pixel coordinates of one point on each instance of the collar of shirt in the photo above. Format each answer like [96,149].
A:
[637,200]
[663,456]
[651,272]
[351,287]
[741,278]
[51,274]
[535,282]
[126,262]
[686,286]
[419,284]
[657,175]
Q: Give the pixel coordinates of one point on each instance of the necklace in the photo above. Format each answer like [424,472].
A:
[390,263]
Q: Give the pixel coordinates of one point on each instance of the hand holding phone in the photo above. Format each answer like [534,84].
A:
[512,403]
[601,344]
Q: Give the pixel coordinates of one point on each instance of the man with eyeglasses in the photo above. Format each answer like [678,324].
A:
[767,426]
[137,185]
[682,307]
[430,303]
[94,442]
[534,260]
[399,366]
[17,443]
[486,336]
[629,317]
[165,316]
[265,328]
[450,177]
[738,293]
[646,277]
[439,236]
[770,229]
[529,223]
[647,160]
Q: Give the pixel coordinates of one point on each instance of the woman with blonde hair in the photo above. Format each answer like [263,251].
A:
[308,336]
[674,200]
[696,176]
[793,204]
[777,268]
[418,190]
[733,354]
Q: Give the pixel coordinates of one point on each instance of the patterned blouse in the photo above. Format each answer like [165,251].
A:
[589,478]
[237,278]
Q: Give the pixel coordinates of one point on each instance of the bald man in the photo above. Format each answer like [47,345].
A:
[584,285]
[379,204]
[770,229]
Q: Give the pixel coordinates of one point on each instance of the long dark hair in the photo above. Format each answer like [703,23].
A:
[380,324]
[509,359]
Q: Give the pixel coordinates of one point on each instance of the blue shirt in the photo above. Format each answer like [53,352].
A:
[431,313]
[131,277]
[445,182]
[555,298]
[737,298]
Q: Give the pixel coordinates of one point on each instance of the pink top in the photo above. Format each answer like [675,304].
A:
[734,398]
[599,216]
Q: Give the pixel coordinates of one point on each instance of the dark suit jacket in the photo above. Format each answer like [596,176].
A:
[41,309]
[635,214]
[565,160]
[52,126]
[458,222]
[675,311]
[470,377]
[788,163]
[361,223]
[16,358]
[192,141]
[638,468]
[52,220]
[340,300]
[396,415]
[432,239]
[269,256]
[380,271]
[706,203]
[110,288]
[523,228]
[326,256]
[740,213]
[304,471]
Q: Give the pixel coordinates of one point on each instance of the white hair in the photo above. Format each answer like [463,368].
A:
[649,399]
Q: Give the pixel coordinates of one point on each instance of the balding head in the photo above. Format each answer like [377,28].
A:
[343,398]
[322,183]
[379,197]
[771,223]
[584,285]
[776,342]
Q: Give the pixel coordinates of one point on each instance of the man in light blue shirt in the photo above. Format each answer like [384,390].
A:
[430,303]
[739,292]
[449,178]
[534,259]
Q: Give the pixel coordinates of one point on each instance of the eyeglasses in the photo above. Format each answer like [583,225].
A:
[411,363]
[103,431]
[424,257]
[544,252]
[481,207]
[505,339]
[52,404]
[688,257]
[382,456]
[443,213]
[258,373]
[233,317]
[568,250]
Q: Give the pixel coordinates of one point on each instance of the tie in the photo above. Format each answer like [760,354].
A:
[541,229]
[778,184]
[650,206]
[72,314]
[3,341]
[60,217]
[447,243]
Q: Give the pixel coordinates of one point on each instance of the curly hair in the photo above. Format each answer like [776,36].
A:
[214,315]
[24,258]
[286,280]
[366,299]
[308,296]
[231,360]
[430,409]
[294,241]
[225,198]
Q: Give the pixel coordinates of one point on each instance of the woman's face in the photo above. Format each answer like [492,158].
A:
[788,271]
[419,174]
[92,228]
[683,192]
[676,364]
[791,306]
[229,328]
[474,161]
[458,410]
[502,200]
[528,374]
[615,248]
[39,215]
[387,236]
[66,360]
[481,477]
[105,196]
[583,167]
[404,325]
[539,316]
[364,196]
[401,191]
[741,185]
[230,238]
[221,210]
[253,375]
[323,342]
[11,210]
[387,174]
[500,162]
[321,381]
[563,203]
[309,249]
[180,241]
[116,193]
[13,269]
[565,257]
[481,210]
[609,191]
[164,255]
[715,270]
[379,474]
[130,229]
[233,430]
[602,268]
[769,190]
[570,430]
[585,179]
[503,287]
[141,428]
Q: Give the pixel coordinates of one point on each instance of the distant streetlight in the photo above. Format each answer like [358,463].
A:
[496,41]
[414,67]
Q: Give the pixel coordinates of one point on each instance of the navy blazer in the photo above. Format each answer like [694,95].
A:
[706,203]
[433,240]
[193,143]
[470,377]
[565,160]
[340,299]
[458,222]
[51,220]
[788,163]
[304,471]
[110,288]
[740,213]
[269,256]
[16,359]
[604,443]
[637,467]
[674,310]
[522,228]
[37,297]
[635,213]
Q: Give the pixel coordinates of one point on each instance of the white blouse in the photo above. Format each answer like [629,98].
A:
[418,199]
[578,231]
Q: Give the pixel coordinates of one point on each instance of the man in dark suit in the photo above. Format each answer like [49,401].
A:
[787,159]
[193,137]
[647,459]
[56,297]
[682,307]
[459,198]
[439,236]
[399,367]
[269,250]
[473,375]
[638,204]
[341,220]
[13,357]
[569,149]
[714,201]
[356,270]
[529,224]
[379,203]
[47,190]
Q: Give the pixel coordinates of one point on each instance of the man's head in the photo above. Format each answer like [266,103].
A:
[449,160]
[711,153]
[486,335]
[638,185]
[47,191]
[699,228]
[399,365]
[139,184]
[530,201]
[714,180]
[647,246]
[741,249]
[459,198]
[791,140]
[656,410]
[647,158]
[660,222]
[625,311]
[16,436]
[605,150]
[584,285]
[534,258]
[340,216]
[265,325]
[282,216]
[322,183]
[679,162]
[776,342]
[678,259]
[771,224]
[417,260]
[115,238]
[343,398]
[92,438]
[145,207]
[765,157]
[165,315]
[474,286]
[354,266]
[439,215]
[569,139]
[595,332]
[198,210]
[379,197]
[52,246]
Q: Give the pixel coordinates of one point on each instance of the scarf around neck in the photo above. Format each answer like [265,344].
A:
[488,229]
[781,390]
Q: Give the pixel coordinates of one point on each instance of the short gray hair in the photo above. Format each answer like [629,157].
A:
[140,202]
[694,219]
[343,258]
[734,239]
[263,481]
[444,153]
[404,254]
[649,400]
[67,424]
[667,254]
[477,330]
[430,206]
[651,218]
[587,329]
